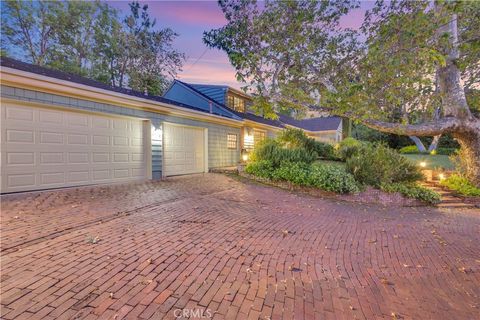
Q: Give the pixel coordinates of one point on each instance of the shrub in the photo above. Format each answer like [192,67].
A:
[413,191]
[446,151]
[296,138]
[262,168]
[348,147]
[333,178]
[409,150]
[325,177]
[297,173]
[325,151]
[461,185]
[271,150]
[440,150]
[376,165]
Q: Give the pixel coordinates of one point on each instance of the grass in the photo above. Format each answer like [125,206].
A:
[432,161]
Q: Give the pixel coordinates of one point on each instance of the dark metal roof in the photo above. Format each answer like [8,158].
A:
[313,124]
[246,116]
[23,66]
[214,92]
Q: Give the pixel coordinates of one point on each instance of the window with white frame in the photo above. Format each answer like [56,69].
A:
[231,141]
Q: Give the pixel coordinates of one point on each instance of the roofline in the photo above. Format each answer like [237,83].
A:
[204,96]
[310,131]
[228,88]
[29,80]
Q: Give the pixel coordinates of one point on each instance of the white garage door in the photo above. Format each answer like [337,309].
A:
[45,148]
[183,150]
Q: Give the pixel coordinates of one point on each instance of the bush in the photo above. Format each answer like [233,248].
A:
[376,165]
[414,150]
[325,151]
[413,191]
[446,151]
[325,177]
[262,168]
[409,150]
[348,147]
[272,151]
[296,138]
[333,178]
[461,185]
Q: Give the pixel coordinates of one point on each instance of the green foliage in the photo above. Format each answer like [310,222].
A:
[414,191]
[461,185]
[296,138]
[89,38]
[271,150]
[261,168]
[348,147]
[440,150]
[376,165]
[409,150]
[325,177]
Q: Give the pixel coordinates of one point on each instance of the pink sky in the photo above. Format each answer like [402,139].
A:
[190,19]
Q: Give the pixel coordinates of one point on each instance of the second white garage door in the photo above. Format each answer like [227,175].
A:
[46,148]
[183,150]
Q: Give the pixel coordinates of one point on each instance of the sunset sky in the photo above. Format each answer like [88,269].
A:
[190,19]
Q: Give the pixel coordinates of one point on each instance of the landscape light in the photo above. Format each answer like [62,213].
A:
[423,164]
[441,176]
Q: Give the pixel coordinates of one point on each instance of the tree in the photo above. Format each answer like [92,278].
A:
[88,38]
[29,29]
[408,60]
[152,59]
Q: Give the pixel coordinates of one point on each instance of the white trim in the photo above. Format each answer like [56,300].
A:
[205,143]
[147,135]
[205,151]
[67,88]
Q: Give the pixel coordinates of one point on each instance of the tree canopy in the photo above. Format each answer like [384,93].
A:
[89,38]
[413,68]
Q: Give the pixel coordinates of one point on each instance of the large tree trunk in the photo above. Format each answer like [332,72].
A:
[418,143]
[469,139]
[457,118]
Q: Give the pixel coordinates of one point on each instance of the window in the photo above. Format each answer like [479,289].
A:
[231,141]
[236,103]
[258,136]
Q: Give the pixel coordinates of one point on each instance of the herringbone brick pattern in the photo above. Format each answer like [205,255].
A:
[242,251]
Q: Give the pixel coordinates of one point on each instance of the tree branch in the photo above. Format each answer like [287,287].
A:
[431,128]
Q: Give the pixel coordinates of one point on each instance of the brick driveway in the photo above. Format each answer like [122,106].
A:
[233,250]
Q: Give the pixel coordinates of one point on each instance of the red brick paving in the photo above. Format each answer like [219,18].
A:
[237,250]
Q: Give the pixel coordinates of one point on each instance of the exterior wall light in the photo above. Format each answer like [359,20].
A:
[245,155]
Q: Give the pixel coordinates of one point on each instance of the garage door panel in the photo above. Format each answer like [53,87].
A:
[183,149]
[15,113]
[45,148]
[20,136]
[74,177]
[51,137]
[47,158]
[51,117]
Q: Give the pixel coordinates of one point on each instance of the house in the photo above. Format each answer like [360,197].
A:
[325,129]
[63,130]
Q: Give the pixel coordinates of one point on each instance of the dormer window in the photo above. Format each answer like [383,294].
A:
[236,103]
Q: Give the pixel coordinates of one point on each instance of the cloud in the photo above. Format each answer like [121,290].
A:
[203,13]
[206,71]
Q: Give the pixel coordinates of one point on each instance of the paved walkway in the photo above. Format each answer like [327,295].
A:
[232,250]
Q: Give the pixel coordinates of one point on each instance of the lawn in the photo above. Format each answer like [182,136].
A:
[432,161]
